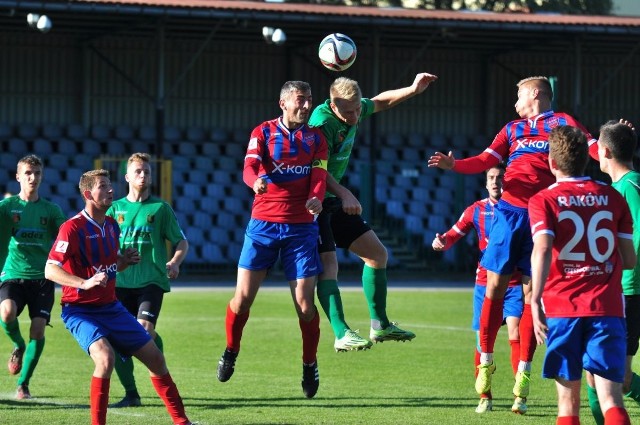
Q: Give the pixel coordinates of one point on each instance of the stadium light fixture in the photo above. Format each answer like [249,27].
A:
[274,35]
[38,22]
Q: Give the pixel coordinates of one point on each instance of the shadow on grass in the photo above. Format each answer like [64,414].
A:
[536,408]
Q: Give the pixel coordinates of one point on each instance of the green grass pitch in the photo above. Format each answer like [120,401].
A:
[426,381]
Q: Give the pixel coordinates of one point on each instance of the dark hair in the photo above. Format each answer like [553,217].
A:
[292,86]
[620,139]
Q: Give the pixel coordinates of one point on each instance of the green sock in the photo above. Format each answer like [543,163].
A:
[29,362]
[634,391]
[159,342]
[329,297]
[374,283]
[12,330]
[594,404]
[124,370]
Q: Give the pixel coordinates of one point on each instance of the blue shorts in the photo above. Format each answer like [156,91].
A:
[510,244]
[89,323]
[595,344]
[295,244]
[513,303]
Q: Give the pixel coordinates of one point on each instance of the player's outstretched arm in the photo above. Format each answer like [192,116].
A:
[390,98]
[442,161]
[350,204]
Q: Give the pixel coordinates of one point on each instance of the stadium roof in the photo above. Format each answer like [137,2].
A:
[243,20]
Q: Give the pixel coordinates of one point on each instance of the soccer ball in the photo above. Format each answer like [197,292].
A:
[337,52]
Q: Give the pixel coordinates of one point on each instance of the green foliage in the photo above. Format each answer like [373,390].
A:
[426,381]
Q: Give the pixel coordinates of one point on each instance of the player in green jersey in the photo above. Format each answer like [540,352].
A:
[341,223]
[146,223]
[616,147]
[30,225]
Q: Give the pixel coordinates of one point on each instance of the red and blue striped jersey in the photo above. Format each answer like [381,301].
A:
[586,219]
[83,248]
[294,164]
[478,216]
[524,145]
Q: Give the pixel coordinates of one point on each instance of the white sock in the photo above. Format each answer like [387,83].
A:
[486,358]
[524,366]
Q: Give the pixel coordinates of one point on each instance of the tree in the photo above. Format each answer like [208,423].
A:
[568,7]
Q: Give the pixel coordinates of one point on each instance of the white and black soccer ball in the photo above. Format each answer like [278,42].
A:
[337,52]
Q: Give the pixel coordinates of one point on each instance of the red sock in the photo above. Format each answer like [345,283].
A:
[527,336]
[476,361]
[515,354]
[99,400]
[568,420]
[310,338]
[617,416]
[168,392]
[235,324]
[490,322]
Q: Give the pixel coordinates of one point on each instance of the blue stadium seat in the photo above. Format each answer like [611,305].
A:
[172,134]
[381,194]
[147,133]
[192,190]
[83,161]
[195,134]
[57,160]
[100,132]
[414,224]
[448,180]
[177,178]
[226,220]
[398,193]
[123,132]
[42,147]
[51,131]
[219,235]
[6,132]
[198,177]
[91,147]
[418,208]
[233,205]
[459,141]
[63,203]
[416,140]
[12,187]
[53,175]
[18,146]
[27,131]
[384,167]
[45,189]
[236,150]
[442,208]
[211,149]
[210,205]
[388,154]
[187,149]
[193,257]
[233,166]
[394,140]
[211,253]
[195,236]
[241,136]
[116,147]
[443,194]
[421,194]
[185,204]
[202,220]
[412,154]
[219,135]
[204,163]
[221,177]
[404,182]
[437,223]
[141,146]
[437,140]
[67,147]
[215,191]
[395,208]
[179,163]
[9,161]
[76,132]
[73,175]
[233,252]
[67,188]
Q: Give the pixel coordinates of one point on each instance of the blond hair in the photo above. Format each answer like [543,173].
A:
[88,180]
[539,82]
[346,89]
[139,157]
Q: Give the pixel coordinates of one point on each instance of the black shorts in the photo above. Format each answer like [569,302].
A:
[337,228]
[143,303]
[632,313]
[37,294]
